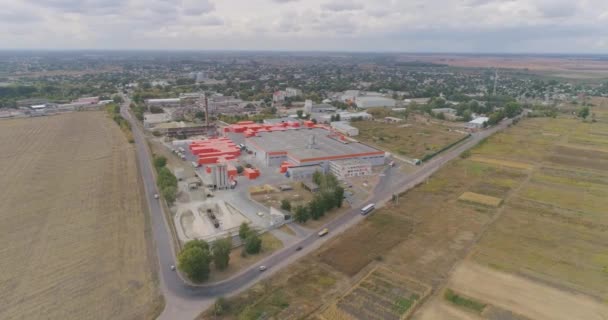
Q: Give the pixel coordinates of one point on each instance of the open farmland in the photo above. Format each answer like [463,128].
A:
[411,139]
[72,227]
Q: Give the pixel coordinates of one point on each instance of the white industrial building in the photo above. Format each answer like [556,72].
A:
[374,101]
[309,107]
[345,128]
[292,92]
[346,116]
[350,168]
[171,102]
[477,123]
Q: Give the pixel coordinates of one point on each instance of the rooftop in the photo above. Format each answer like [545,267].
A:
[295,143]
[479,120]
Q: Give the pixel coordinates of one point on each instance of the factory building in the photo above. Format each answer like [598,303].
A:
[344,128]
[350,168]
[374,101]
[172,102]
[308,146]
[309,107]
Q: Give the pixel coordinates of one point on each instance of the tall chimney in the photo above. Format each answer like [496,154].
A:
[206,111]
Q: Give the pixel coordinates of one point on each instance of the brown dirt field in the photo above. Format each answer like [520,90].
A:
[368,241]
[523,296]
[73,230]
[439,310]
[565,67]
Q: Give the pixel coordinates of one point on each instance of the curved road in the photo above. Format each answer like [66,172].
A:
[186,301]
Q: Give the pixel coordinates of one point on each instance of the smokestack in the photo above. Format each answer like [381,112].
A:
[206,111]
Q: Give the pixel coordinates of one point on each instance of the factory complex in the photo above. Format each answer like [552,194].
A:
[296,151]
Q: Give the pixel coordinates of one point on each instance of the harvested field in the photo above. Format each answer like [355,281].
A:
[368,241]
[503,163]
[415,140]
[480,199]
[523,296]
[72,227]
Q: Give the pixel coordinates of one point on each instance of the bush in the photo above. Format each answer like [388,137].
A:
[220,306]
[239,169]
[159,162]
[169,193]
[221,252]
[253,243]
[463,302]
[244,231]
[285,205]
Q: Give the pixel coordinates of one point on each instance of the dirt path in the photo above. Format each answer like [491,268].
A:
[523,296]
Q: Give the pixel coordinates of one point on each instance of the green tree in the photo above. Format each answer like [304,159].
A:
[221,252]
[315,208]
[317,177]
[253,243]
[339,196]
[169,193]
[512,109]
[194,260]
[300,114]
[118,99]
[159,162]
[301,214]
[285,205]
[244,231]
[583,113]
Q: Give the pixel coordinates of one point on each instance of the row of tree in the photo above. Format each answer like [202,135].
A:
[114,111]
[165,179]
[329,196]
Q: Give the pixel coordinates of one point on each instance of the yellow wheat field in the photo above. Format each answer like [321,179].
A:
[72,227]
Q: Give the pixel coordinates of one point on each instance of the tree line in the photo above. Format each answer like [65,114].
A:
[329,196]
[165,179]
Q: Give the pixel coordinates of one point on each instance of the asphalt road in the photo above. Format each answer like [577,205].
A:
[175,289]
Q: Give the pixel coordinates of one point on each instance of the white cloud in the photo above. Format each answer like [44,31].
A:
[371,25]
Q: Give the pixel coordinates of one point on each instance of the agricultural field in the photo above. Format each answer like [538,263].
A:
[72,228]
[381,295]
[548,243]
[558,240]
[410,138]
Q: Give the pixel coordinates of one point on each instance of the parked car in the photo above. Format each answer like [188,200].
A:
[323,232]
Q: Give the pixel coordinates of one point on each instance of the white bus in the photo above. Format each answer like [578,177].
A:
[367,209]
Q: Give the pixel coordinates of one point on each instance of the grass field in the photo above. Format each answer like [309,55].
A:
[480,199]
[411,139]
[72,227]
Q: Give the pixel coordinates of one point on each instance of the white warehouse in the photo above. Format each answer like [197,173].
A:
[372,102]
[344,128]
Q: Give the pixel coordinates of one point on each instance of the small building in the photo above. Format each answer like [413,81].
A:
[292,92]
[344,128]
[321,108]
[477,123]
[349,116]
[350,168]
[310,186]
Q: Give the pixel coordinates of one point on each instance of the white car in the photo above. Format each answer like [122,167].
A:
[172,268]
[156,196]
[260,214]
[262,268]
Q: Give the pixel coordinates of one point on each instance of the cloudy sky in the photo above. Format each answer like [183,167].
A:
[539,26]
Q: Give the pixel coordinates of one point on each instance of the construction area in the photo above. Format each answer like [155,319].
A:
[72,227]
